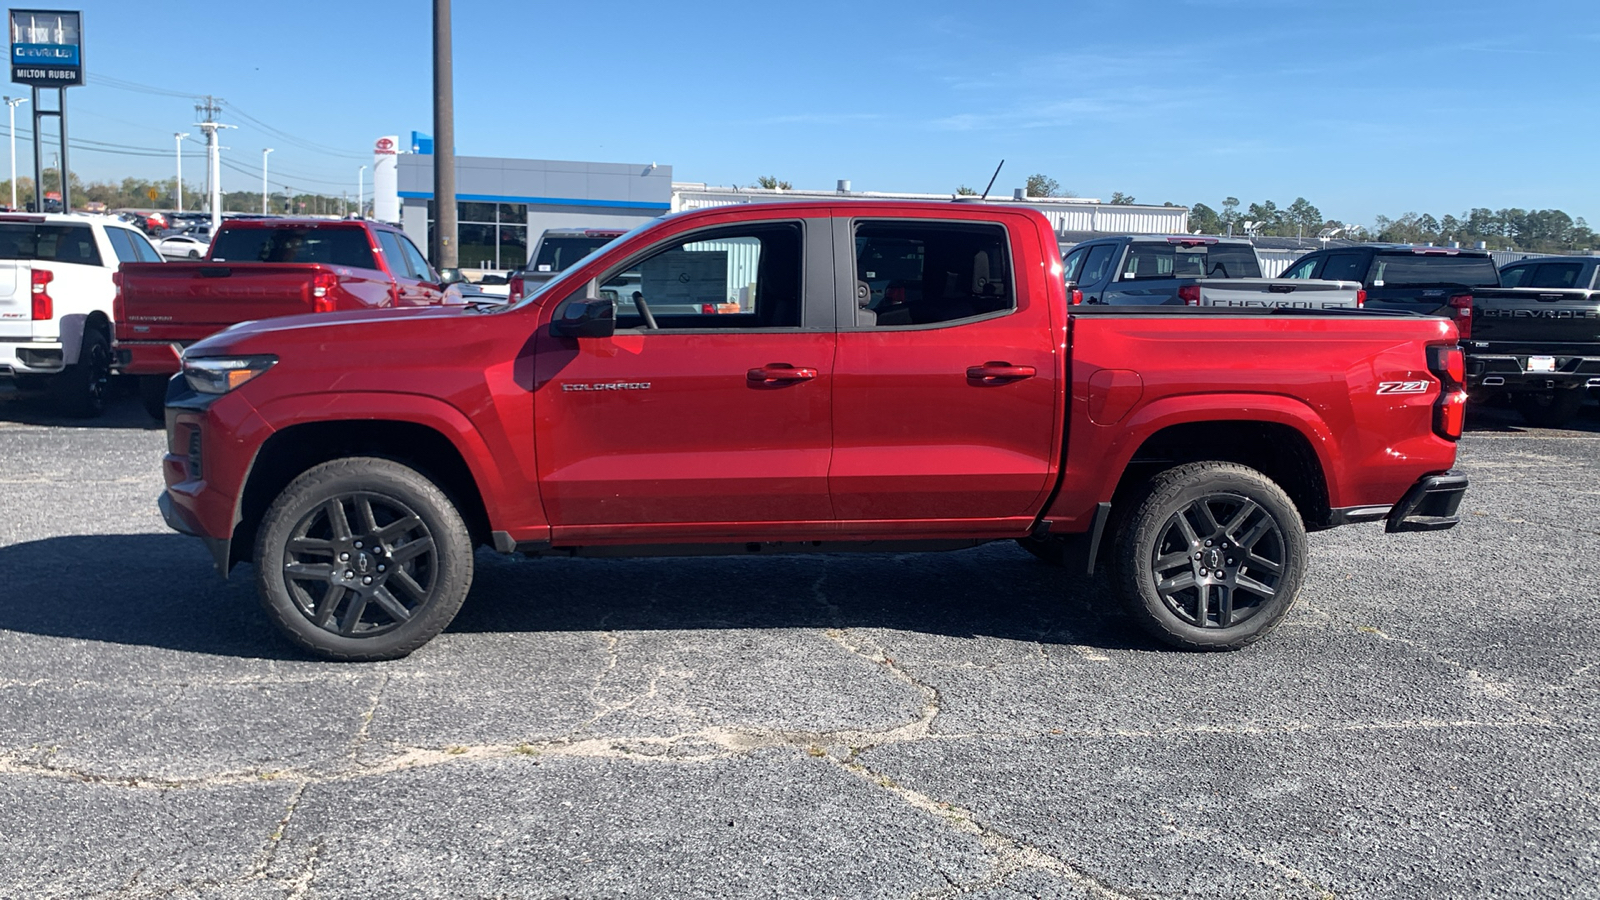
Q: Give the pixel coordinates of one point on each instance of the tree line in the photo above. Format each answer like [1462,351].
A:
[1537,230]
[136,193]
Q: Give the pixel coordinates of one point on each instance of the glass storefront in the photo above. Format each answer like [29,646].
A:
[489,235]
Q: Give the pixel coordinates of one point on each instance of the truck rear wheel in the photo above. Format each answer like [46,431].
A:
[1550,409]
[83,387]
[362,559]
[1209,556]
[153,395]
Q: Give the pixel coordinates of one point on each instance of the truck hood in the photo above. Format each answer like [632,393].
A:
[330,329]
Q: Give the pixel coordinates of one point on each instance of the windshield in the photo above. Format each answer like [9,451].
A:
[575,265]
[558,254]
[1168,260]
[1417,268]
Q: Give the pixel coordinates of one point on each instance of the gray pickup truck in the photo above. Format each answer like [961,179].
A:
[1191,270]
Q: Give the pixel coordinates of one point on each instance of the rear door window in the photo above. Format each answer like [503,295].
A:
[49,242]
[1345,267]
[925,273]
[1556,275]
[332,246]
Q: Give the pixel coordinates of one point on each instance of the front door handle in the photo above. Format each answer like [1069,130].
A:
[780,373]
[999,372]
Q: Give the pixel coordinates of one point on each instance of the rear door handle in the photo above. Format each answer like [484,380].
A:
[999,372]
[780,373]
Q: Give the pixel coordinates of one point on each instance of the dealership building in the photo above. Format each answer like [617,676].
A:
[503,205]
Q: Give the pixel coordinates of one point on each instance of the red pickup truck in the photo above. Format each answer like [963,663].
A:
[358,458]
[260,269]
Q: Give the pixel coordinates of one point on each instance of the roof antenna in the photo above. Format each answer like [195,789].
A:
[991,182]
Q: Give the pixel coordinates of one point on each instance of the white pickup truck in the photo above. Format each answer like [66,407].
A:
[56,293]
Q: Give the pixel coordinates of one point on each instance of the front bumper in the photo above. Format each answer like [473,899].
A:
[173,514]
[1430,505]
[1511,372]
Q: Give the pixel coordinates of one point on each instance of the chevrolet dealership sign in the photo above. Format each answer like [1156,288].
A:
[46,47]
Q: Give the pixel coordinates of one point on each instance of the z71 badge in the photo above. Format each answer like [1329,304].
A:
[1402,387]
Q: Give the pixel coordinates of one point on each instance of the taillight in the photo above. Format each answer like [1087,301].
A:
[1449,365]
[516,288]
[116,299]
[323,284]
[1461,312]
[1077,297]
[1189,294]
[1361,298]
[44,308]
[1450,415]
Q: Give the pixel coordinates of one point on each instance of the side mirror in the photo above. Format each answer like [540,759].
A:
[450,276]
[593,317]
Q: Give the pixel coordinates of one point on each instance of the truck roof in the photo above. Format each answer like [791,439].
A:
[307,222]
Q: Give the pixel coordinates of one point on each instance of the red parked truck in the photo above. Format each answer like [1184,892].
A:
[358,458]
[261,269]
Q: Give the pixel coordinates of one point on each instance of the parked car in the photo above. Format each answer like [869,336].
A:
[183,246]
[558,249]
[358,457]
[1192,270]
[56,298]
[1538,343]
[258,269]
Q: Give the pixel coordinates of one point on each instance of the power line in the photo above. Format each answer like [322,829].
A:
[301,142]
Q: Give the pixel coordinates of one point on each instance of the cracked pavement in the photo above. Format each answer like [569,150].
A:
[972,724]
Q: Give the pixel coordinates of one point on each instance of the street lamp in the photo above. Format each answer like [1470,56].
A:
[15,102]
[361,192]
[264,152]
[177,142]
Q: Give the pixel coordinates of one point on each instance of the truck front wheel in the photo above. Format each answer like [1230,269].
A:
[362,559]
[1209,556]
[1550,409]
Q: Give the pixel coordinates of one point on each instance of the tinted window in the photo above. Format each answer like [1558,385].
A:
[1098,265]
[733,278]
[1345,267]
[334,246]
[1073,262]
[57,243]
[1304,268]
[1151,259]
[419,265]
[121,245]
[1513,275]
[558,253]
[1397,270]
[919,273]
[1556,275]
[399,267]
[143,249]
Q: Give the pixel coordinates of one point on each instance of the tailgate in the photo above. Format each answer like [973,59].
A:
[16,300]
[189,301]
[1535,316]
[1273,293]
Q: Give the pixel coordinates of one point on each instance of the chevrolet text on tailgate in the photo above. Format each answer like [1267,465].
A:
[870,375]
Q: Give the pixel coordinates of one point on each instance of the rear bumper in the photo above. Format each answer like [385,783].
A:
[149,357]
[26,357]
[1510,372]
[1430,505]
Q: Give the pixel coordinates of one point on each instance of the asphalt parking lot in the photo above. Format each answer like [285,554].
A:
[975,724]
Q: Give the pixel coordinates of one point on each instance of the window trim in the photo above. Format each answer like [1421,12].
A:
[808,251]
[846,238]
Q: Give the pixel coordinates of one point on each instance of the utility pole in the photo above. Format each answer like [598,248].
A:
[178,143]
[445,255]
[210,127]
[15,102]
[361,192]
[264,152]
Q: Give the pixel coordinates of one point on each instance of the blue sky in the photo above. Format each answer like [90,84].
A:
[1364,108]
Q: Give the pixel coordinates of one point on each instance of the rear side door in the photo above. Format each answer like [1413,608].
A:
[711,418]
[945,410]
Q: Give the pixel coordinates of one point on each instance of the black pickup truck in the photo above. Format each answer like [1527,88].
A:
[1534,334]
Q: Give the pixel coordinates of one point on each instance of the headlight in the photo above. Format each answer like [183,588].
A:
[221,374]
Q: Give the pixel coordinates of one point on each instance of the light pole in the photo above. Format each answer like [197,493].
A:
[361,192]
[177,142]
[15,102]
[264,152]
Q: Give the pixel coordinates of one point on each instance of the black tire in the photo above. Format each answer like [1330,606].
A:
[376,585]
[1194,519]
[1052,550]
[194,254]
[153,395]
[1550,409]
[82,389]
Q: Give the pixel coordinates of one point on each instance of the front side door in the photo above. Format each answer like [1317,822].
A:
[945,404]
[708,413]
